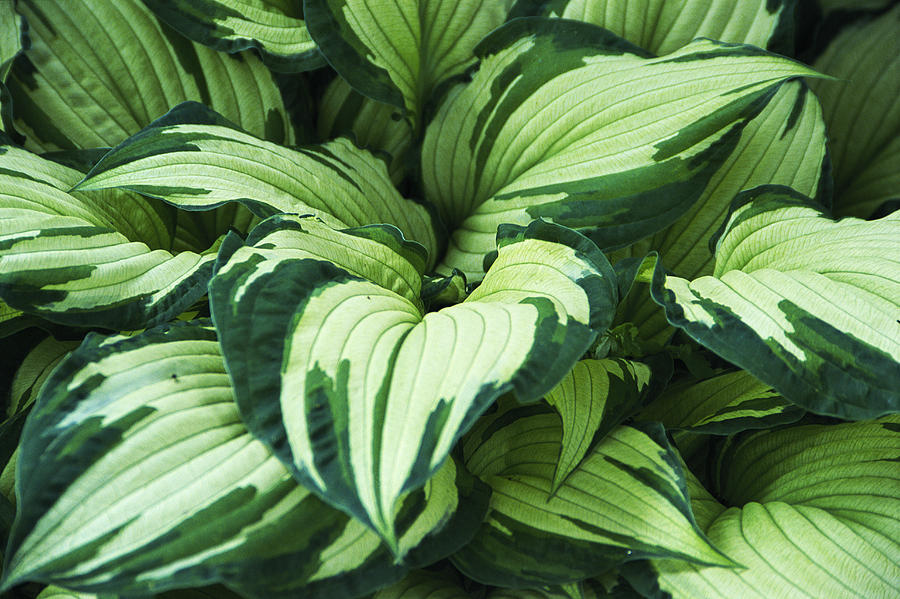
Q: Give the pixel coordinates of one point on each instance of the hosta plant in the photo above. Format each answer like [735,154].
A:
[445,298]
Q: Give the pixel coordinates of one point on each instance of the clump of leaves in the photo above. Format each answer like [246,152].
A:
[370,298]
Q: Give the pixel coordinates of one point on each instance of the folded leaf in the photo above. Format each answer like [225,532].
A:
[374,125]
[818,517]
[594,398]
[625,500]
[862,110]
[565,121]
[89,259]
[99,70]
[721,405]
[804,303]
[275,28]
[196,160]
[362,395]
[662,27]
[399,52]
[136,475]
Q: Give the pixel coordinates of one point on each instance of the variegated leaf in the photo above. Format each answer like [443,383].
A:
[627,499]
[722,404]
[374,125]
[862,110]
[401,51]
[807,304]
[137,475]
[361,394]
[784,145]
[592,399]
[274,27]
[662,26]
[196,160]
[98,71]
[566,121]
[89,258]
[813,513]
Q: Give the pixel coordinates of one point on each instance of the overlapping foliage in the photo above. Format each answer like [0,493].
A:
[406,299]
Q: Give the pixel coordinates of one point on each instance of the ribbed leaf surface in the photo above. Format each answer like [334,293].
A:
[400,51]
[89,258]
[722,404]
[816,515]
[274,27]
[626,500]
[99,70]
[361,394]
[661,27]
[564,120]
[862,109]
[807,304]
[196,160]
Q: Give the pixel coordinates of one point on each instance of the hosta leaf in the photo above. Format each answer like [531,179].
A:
[136,475]
[815,516]
[196,160]
[374,125]
[564,120]
[662,27]
[594,398]
[99,70]
[804,303]
[784,145]
[378,253]
[89,259]
[399,52]
[34,370]
[274,27]
[362,395]
[862,109]
[626,500]
[421,584]
[722,404]
[12,27]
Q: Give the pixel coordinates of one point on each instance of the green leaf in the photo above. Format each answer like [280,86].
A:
[89,259]
[401,52]
[100,70]
[565,121]
[594,398]
[784,145]
[807,304]
[34,370]
[12,29]
[625,500]
[274,27]
[362,395]
[194,159]
[376,126]
[721,405]
[814,515]
[136,475]
[421,584]
[55,592]
[862,110]
[663,27]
